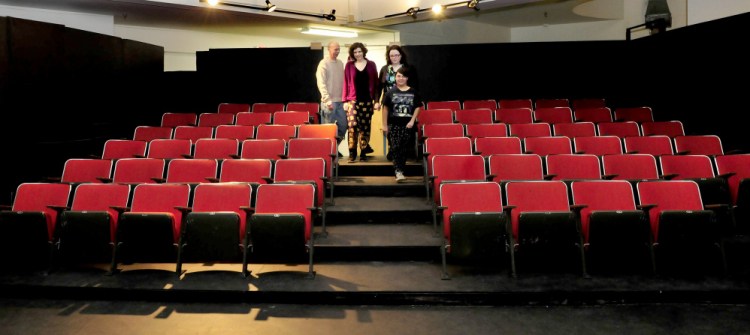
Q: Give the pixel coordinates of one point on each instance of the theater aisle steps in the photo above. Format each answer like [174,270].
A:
[375,218]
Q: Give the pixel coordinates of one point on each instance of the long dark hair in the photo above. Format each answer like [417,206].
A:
[404,59]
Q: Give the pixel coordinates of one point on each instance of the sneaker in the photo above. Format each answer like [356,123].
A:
[367,150]
[400,176]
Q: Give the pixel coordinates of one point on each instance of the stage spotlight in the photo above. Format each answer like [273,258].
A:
[437,9]
[332,16]
[412,12]
[473,4]
[269,6]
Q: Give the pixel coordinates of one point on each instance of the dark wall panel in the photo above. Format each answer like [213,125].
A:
[520,70]
[141,84]
[92,66]
[259,75]
[68,91]
[35,84]
[697,76]
[37,68]
[4,64]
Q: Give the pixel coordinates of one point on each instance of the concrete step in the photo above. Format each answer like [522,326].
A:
[379,186]
[378,209]
[377,166]
[378,242]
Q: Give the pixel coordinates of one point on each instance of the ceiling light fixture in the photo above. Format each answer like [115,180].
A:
[473,4]
[412,12]
[269,6]
[332,16]
[437,9]
[329,32]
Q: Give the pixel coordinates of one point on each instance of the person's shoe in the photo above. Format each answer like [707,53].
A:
[363,158]
[352,158]
[340,155]
[400,177]
[367,150]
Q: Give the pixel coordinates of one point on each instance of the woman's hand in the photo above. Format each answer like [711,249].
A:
[410,124]
[376,106]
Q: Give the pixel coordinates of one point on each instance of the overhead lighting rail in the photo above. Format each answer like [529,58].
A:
[271,8]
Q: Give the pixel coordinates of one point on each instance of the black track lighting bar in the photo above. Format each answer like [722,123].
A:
[268,8]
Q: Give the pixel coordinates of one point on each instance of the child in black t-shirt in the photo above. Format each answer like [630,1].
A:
[401,105]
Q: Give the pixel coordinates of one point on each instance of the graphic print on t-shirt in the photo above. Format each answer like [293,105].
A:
[403,104]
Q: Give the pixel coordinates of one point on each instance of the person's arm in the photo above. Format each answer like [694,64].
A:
[414,117]
[321,76]
[348,96]
[372,71]
[384,114]
[417,109]
[381,87]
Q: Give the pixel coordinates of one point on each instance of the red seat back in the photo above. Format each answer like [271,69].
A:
[287,199]
[535,196]
[38,197]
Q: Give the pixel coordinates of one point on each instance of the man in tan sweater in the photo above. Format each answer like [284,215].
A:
[330,78]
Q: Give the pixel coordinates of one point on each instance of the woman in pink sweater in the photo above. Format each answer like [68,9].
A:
[360,89]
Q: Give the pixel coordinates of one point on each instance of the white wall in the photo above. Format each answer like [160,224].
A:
[707,10]
[455,31]
[102,24]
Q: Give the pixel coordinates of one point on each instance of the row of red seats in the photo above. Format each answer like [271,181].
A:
[619,129]
[550,115]
[668,223]
[217,149]
[158,223]
[579,103]
[172,120]
[240,132]
[709,145]
[271,108]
